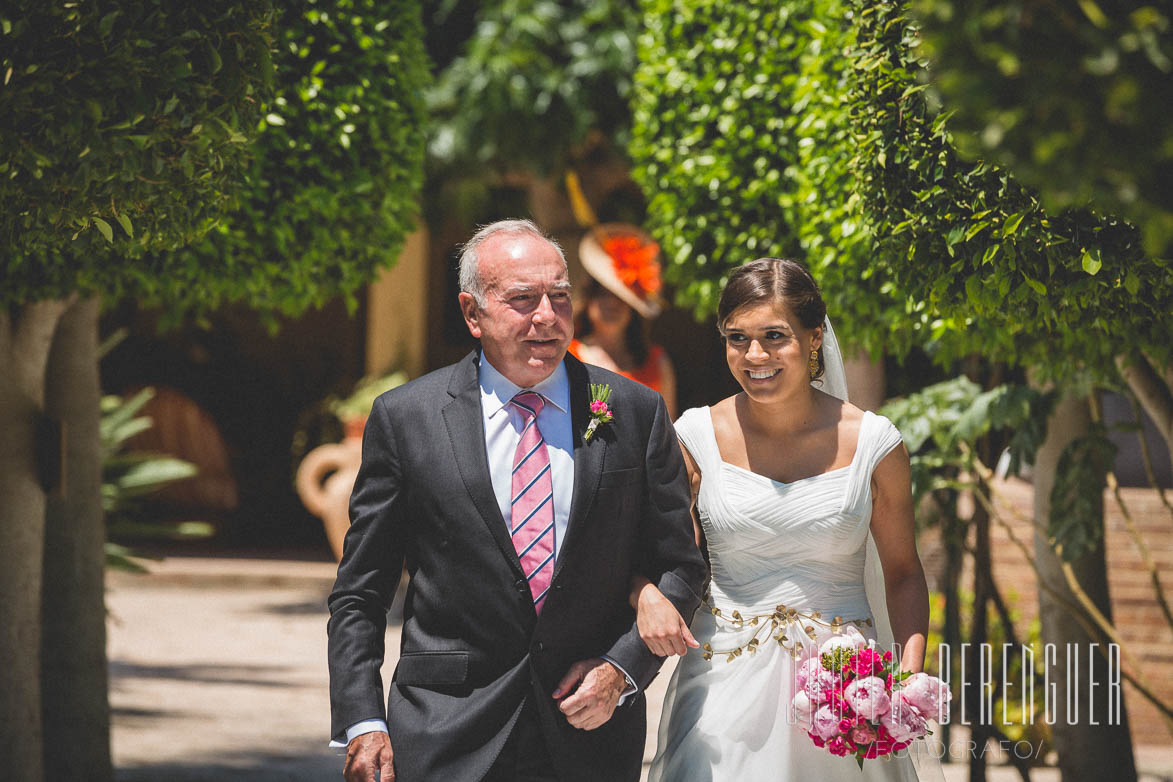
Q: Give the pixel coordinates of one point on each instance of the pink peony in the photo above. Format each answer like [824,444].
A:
[825,723]
[928,694]
[868,697]
[903,721]
[803,706]
[804,670]
[815,680]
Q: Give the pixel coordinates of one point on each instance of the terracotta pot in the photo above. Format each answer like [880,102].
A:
[325,479]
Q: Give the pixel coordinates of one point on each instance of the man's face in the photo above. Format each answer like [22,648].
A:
[524,324]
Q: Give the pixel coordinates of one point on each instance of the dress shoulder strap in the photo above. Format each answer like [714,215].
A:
[877,437]
[695,430]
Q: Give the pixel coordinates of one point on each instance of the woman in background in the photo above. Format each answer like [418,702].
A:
[611,328]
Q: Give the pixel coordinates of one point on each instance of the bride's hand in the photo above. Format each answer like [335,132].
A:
[660,625]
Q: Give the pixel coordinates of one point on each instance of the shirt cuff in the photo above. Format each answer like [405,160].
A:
[631,688]
[359,728]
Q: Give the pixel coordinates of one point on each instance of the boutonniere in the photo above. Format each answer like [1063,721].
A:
[600,410]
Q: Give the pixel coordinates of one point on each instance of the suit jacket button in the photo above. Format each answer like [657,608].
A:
[536,647]
[520,585]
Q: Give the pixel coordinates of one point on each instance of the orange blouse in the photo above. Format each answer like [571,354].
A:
[648,373]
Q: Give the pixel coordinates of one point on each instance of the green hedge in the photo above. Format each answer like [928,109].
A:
[335,185]
[742,141]
[807,129]
[123,127]
[146,113]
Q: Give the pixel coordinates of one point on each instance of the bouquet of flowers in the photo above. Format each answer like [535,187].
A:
[851,699]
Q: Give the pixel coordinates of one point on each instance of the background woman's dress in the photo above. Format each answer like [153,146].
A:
[799,544]
[648,373]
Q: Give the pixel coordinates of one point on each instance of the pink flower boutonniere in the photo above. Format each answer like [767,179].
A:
[600,411]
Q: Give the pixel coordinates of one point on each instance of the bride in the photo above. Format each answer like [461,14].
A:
[791,484]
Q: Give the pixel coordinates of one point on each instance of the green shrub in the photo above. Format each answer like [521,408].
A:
[335,186]
[742,141]
[123,128]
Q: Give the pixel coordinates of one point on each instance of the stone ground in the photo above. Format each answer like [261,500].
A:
[218,674]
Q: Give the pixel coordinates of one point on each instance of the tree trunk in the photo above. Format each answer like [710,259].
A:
[1154,389]
[73,643]
[865,381]
[1086,751]
[979,636]
[953,540]
[25,337]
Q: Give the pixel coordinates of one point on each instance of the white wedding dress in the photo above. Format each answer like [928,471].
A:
[800,545]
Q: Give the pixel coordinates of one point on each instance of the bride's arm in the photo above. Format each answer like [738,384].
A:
[904,579]
[660,625]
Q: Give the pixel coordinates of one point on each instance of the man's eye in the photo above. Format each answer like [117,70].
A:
[559,296]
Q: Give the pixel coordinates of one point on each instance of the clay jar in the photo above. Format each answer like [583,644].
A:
[325,479]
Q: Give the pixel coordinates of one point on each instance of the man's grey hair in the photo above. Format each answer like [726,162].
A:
[470,276]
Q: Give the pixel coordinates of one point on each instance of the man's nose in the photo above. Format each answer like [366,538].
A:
[544,313]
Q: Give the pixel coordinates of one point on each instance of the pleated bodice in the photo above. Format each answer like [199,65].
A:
[802,543]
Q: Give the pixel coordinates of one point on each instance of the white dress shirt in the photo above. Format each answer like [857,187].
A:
[503,424]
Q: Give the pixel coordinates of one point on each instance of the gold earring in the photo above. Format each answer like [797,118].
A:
[812,364]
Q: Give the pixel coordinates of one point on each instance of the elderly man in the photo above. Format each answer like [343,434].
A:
[521,533]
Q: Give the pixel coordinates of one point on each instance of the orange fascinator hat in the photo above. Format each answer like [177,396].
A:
[625,260]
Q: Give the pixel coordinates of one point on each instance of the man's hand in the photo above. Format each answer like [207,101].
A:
[367,754]
[599,685]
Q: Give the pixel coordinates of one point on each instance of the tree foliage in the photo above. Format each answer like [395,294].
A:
[742,140]
[1072,97]
[984,265]
[806,129]
[144,116]
[123,127]
[534,80]
[943,425]
[334,188]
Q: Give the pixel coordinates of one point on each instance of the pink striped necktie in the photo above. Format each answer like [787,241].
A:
[532,519]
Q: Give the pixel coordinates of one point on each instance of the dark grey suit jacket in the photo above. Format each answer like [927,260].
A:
[473,649]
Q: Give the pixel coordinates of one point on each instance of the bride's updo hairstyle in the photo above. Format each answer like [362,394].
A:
[769,280]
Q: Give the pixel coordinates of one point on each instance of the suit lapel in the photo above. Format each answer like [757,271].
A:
[466,433]
[588,456]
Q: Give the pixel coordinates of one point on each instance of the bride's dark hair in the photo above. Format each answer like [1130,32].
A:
[771,280]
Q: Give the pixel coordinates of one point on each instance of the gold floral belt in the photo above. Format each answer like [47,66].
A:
[776,624]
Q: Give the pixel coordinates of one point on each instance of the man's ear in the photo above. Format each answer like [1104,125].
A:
[471,313]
